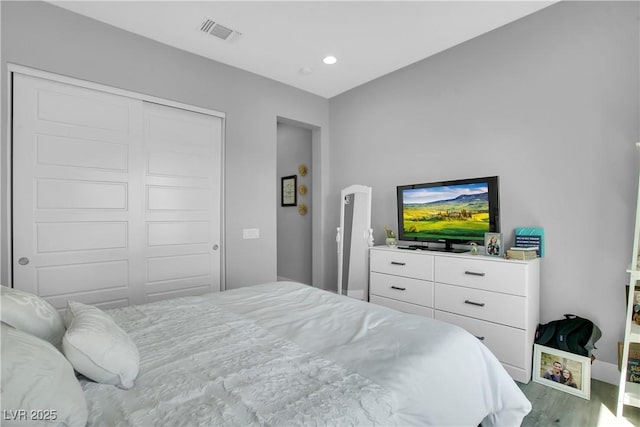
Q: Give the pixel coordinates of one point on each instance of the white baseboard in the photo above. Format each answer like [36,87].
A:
[606,372]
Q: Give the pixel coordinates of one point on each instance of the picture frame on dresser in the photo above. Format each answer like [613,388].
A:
[562,370]
[493,245]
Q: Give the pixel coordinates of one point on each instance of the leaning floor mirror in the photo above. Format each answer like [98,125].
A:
[354,238]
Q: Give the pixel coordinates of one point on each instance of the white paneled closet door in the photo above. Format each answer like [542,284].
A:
[182,201]
[74,159]
[103,211]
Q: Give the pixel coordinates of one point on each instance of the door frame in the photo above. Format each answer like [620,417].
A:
[318,273]
[13,69]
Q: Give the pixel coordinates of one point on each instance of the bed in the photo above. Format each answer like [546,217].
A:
[284,353]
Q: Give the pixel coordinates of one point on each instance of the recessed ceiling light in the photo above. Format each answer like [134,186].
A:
[329,60]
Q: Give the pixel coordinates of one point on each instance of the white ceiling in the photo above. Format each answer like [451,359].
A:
[280,39]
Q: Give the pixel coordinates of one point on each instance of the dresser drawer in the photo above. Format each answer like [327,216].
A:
[402,263]
[507,344]
[402,306]
[492,275]
[505,309]
[402,289]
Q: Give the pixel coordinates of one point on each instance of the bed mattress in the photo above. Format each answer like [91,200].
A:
[284,353]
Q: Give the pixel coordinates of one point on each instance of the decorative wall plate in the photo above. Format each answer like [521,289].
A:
[302,169]
[302,209]
[302,189]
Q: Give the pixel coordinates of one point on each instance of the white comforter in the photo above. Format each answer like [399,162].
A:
[288,354]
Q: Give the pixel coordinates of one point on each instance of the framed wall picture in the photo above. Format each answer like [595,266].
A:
[493,244]
[288,190]
[561,370]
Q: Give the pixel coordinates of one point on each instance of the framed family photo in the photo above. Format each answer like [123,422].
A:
[493,244]
[562,370]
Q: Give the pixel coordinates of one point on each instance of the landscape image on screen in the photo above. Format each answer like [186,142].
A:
[446,212]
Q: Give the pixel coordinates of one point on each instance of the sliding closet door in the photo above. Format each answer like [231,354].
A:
[182,201]
[74,156]
[104,208]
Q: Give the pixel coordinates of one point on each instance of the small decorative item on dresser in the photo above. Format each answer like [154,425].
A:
[562,370]
[530,236]
[473,248]
[493,244]
[391,237]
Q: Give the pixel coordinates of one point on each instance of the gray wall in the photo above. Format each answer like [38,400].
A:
[550,104]
[294,230]
[46,37]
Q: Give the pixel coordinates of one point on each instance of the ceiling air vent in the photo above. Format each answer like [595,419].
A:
[215,29]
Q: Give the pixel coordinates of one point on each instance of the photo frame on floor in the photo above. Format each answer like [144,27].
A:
[562,370]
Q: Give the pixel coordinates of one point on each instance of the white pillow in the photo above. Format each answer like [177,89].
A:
[98,348]
[39,387]
[31,314]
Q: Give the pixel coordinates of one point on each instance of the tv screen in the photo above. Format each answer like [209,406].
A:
[459,211]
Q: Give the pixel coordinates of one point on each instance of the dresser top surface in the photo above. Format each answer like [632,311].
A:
[465,255]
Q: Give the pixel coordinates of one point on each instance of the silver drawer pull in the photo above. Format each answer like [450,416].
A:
[398,263]
[474,273]
[479,304]
[480,338]
[398,288]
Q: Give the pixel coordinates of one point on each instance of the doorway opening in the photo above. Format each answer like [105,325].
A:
[294,221]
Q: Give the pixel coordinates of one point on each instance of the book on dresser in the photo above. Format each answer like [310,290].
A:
[522,253]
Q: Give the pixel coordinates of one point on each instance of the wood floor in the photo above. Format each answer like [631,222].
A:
[553,407]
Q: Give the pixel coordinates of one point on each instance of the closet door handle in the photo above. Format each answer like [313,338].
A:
[474,273]
[398,263]
[398,288]
[479,304]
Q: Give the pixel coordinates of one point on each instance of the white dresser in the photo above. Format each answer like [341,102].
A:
[497,300]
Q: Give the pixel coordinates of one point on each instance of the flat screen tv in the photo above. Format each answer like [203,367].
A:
[450,212]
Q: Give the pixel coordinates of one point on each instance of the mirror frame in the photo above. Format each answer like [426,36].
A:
[366,231]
